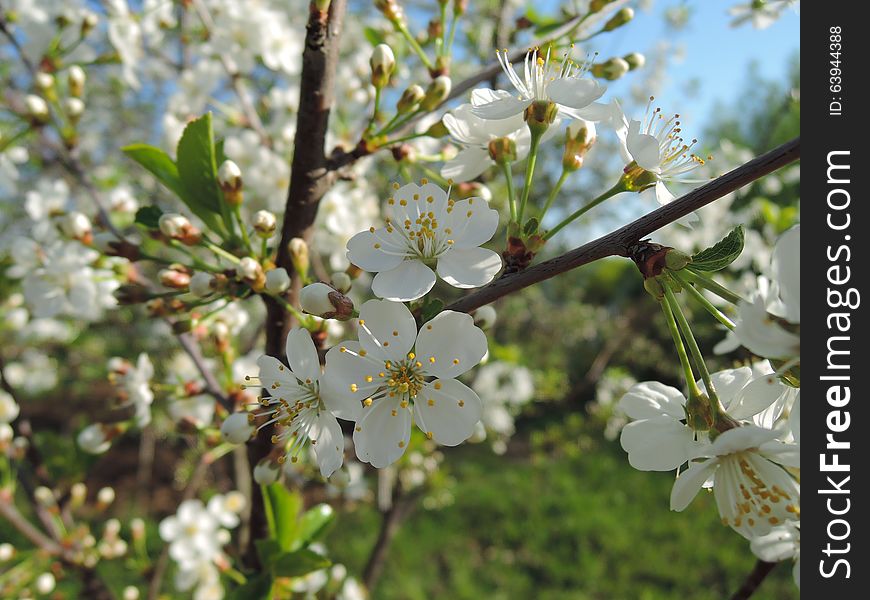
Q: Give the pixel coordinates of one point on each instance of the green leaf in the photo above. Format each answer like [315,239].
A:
[160,165]
[268,550]
[313,525]
[431,309]
[373,36]
[197,167]
[285,508]
[299,563]
[258,587]
[149,217]
[531,226]
[720,255]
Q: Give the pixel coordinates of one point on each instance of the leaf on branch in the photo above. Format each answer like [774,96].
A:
[149,217]
[299,563]
[197,167]
[313,525]
[722,254]
[256,588]
[285,507]
[159,164]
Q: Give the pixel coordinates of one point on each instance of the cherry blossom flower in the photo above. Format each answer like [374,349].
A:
[428,231]
[295,401]
[391,370]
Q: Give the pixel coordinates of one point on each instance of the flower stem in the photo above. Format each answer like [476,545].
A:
[616,189]
[694,350]
[509,180]
[708,284]
[530,171]
[237,212]
[197,262]
[415,46]
[681,348]
[375,110]
[553,193]
[718,314]
[221,252]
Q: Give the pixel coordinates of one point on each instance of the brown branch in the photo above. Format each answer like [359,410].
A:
[212,387]
[618,242]
[10,512]
[391,519]
[759,573]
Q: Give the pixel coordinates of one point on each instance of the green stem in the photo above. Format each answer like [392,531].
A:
[6,142]
[708,284]
[433,175]
[375,110]
[403,29]
[412,136]
[718,314]
[553,193]
[264,248]
[197,261]
[221,252]
[450,36]
[681,348]
[509,180]
[616,189]
[237,212]
[300,316]
[396,122]
[439,43]
[697,357]
[530,171]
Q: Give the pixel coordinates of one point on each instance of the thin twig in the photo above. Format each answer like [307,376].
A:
[618,242]
[10,512]
[212,387]
[391,519]
[755,578]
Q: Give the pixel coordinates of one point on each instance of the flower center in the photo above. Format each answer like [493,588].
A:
[405,378]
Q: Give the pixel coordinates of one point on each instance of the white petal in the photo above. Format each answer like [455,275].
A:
[472,223]
[657,444]
[728,383]
[786,267]
[606,114]
[361,251]
[756,396]
[454,342]
[794,418]
[467,164]
[170,528]
[741,438]
[763,336]
[788,455]
[465,127]
[575,92]
[652,398]
[644,148]
[448,410]
[380,437]
[780,544]
[412,200]
[409,281]
[345,371]
[663,194]
[469,267]
[302,355]
[274,375]
[503,108]
[689,483]
[329,446]
[387,329]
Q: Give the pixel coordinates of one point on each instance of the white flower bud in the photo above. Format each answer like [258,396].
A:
[92,439]
[237,429]
[315,299]
[436,92]
[266,472]
[44,496]
[200,284]
[299,256]
[37,109]
[130,593]
[45,584]
[383,62]
[76,80]
[250,269]
[43,81]
[173,225]
[410,99]
[635,60]
[341,281]
[6,433]
[105,497]
[78,493]
[9,409]
[174,277]
[265,223]
[137,528]
[611,69]
[74,107]
[277,280]
[485,316]
[113,528]
[230,174]
[7,551]
[77,226]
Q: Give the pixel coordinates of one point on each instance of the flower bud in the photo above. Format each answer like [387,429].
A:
[485,316]
[93,439]
[438,130]
[252,273]
[44,496]
[237,429]
[178,227]
[132,293]
[676,260]
[230,181]
[9,408]
[502,150]
[137,528]
[76,80]
[579,139]
[200,284]
[7,551]
[383,63]
[176,277]
[44,584]
[77,226]
[74,108]
[131,592]
[436,92]
[37,110]
[277,280]
[105,497]
[267,472]
[623,16]
[539,114]
[44,82]
[596,5]
[611,69]
[78,493]
[6,434]
[459,7]
[323,301]
[410,100]
[89,23]
[265,223]
[635,60]
[299,256]
[341,281]
[391,10]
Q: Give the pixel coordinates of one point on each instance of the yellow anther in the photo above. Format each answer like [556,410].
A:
[437,385]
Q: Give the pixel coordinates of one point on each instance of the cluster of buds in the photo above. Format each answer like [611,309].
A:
[326,301]
[230,182]
[579,138]
[178,227]
[614,68]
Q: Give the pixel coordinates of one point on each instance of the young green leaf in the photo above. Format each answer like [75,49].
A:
[313,524]
[258,587]
[149,217]
[722,254]
[285,507]
[160,165]
[299,563]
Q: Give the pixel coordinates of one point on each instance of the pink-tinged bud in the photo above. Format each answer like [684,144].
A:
[178,227]
[324,301]
[383,63]
[176,276]
[237,428]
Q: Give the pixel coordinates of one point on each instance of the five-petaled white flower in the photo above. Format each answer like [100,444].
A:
[293,399]
[391,369]
[753,492]
[427,230]
[657,147]
[544,80]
